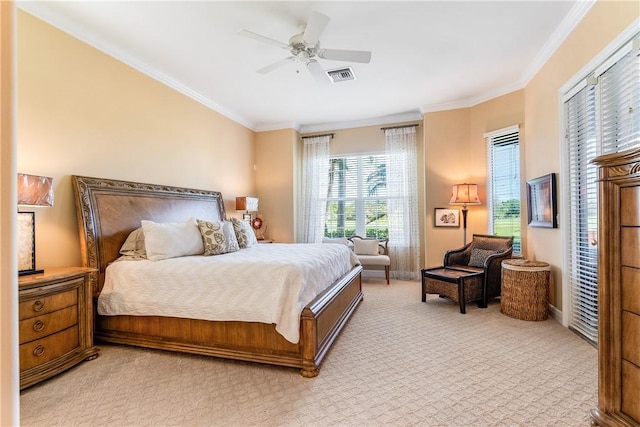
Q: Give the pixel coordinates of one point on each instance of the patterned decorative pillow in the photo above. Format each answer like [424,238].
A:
[244,233]
[479,256]
[218,237]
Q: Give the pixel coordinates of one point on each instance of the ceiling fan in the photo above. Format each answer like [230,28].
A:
[305,48]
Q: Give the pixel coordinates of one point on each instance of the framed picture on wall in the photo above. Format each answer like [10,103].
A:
[446,217]
[541,199]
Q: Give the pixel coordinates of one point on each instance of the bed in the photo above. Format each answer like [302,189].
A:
[109,210]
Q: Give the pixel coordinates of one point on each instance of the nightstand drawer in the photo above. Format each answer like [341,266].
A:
[47,324]
[48,304]
[40,351]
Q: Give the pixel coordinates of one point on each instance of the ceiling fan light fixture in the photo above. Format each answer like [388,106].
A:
[342,74]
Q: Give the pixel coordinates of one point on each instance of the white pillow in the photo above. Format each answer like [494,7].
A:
[218,237]
[134,245]
[365,247]
[172,239]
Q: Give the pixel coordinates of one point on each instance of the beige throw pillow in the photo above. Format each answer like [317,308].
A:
[171,239]
[134,245]
[365,247]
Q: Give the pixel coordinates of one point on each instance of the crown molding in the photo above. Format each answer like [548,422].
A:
[277,126]
[471,102]
[382,120]
[566,27]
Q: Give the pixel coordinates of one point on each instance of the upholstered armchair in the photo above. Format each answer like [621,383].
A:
[483,254]
[372,253]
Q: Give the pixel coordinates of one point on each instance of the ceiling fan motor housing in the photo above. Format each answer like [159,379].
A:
[298,47]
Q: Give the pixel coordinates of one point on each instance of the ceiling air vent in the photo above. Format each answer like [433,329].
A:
[341,75]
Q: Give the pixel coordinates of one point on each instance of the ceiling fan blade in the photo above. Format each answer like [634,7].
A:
[270,68]
[263,39]
[317,72]
[345,55]
[315,27]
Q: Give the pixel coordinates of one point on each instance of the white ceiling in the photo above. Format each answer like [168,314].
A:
[426,55]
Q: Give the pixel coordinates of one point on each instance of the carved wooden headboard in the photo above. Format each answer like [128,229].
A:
[108,210]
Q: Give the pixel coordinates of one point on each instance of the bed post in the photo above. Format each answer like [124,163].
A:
[309,341]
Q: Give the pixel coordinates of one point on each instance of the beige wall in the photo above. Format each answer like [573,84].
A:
[9,380]
[275,182]
[446,158]
[82,112]
[542,116]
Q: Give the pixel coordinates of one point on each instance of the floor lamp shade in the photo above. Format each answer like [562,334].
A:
[33,190]
[464,194]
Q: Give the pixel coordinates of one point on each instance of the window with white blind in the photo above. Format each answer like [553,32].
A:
[503,184]
[601,116]
[357,197]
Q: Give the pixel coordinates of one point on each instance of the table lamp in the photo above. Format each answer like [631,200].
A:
[33,190]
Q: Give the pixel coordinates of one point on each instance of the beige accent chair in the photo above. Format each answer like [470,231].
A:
[372,253]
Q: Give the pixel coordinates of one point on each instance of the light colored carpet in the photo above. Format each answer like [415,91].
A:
[399,362]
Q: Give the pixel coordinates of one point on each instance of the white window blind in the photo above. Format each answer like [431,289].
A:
[620,102]
[357,197]
[503,184]
[580,119]
[602,116]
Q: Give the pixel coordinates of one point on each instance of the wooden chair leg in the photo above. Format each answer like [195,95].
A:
[386,273]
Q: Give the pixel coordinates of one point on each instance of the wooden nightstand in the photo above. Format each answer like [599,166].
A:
[56,322]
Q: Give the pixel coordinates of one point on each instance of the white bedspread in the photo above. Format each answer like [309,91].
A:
[269,283]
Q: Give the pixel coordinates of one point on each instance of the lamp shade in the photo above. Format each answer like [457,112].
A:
[35,190]
[248,204]
[464,194]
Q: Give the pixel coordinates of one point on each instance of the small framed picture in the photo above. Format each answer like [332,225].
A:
[541,198]
[446,217]
[246,217]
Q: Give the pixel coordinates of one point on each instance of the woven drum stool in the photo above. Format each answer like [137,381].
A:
[525,289]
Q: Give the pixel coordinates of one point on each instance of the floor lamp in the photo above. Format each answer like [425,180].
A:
[464,194]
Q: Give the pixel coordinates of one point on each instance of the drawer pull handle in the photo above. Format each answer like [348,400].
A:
[38,305]
[38,351]
[38,326]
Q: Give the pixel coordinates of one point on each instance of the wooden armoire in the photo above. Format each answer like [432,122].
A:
[618,290]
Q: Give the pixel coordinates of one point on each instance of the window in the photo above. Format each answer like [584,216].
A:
[503,184]
[601,116]
[357,197]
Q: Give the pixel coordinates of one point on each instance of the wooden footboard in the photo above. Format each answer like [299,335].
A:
[320,323]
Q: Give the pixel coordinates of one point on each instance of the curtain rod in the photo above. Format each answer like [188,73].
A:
[415,125]
[313,136]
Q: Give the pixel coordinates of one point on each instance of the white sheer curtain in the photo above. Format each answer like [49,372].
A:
[315,183]
[402,186]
